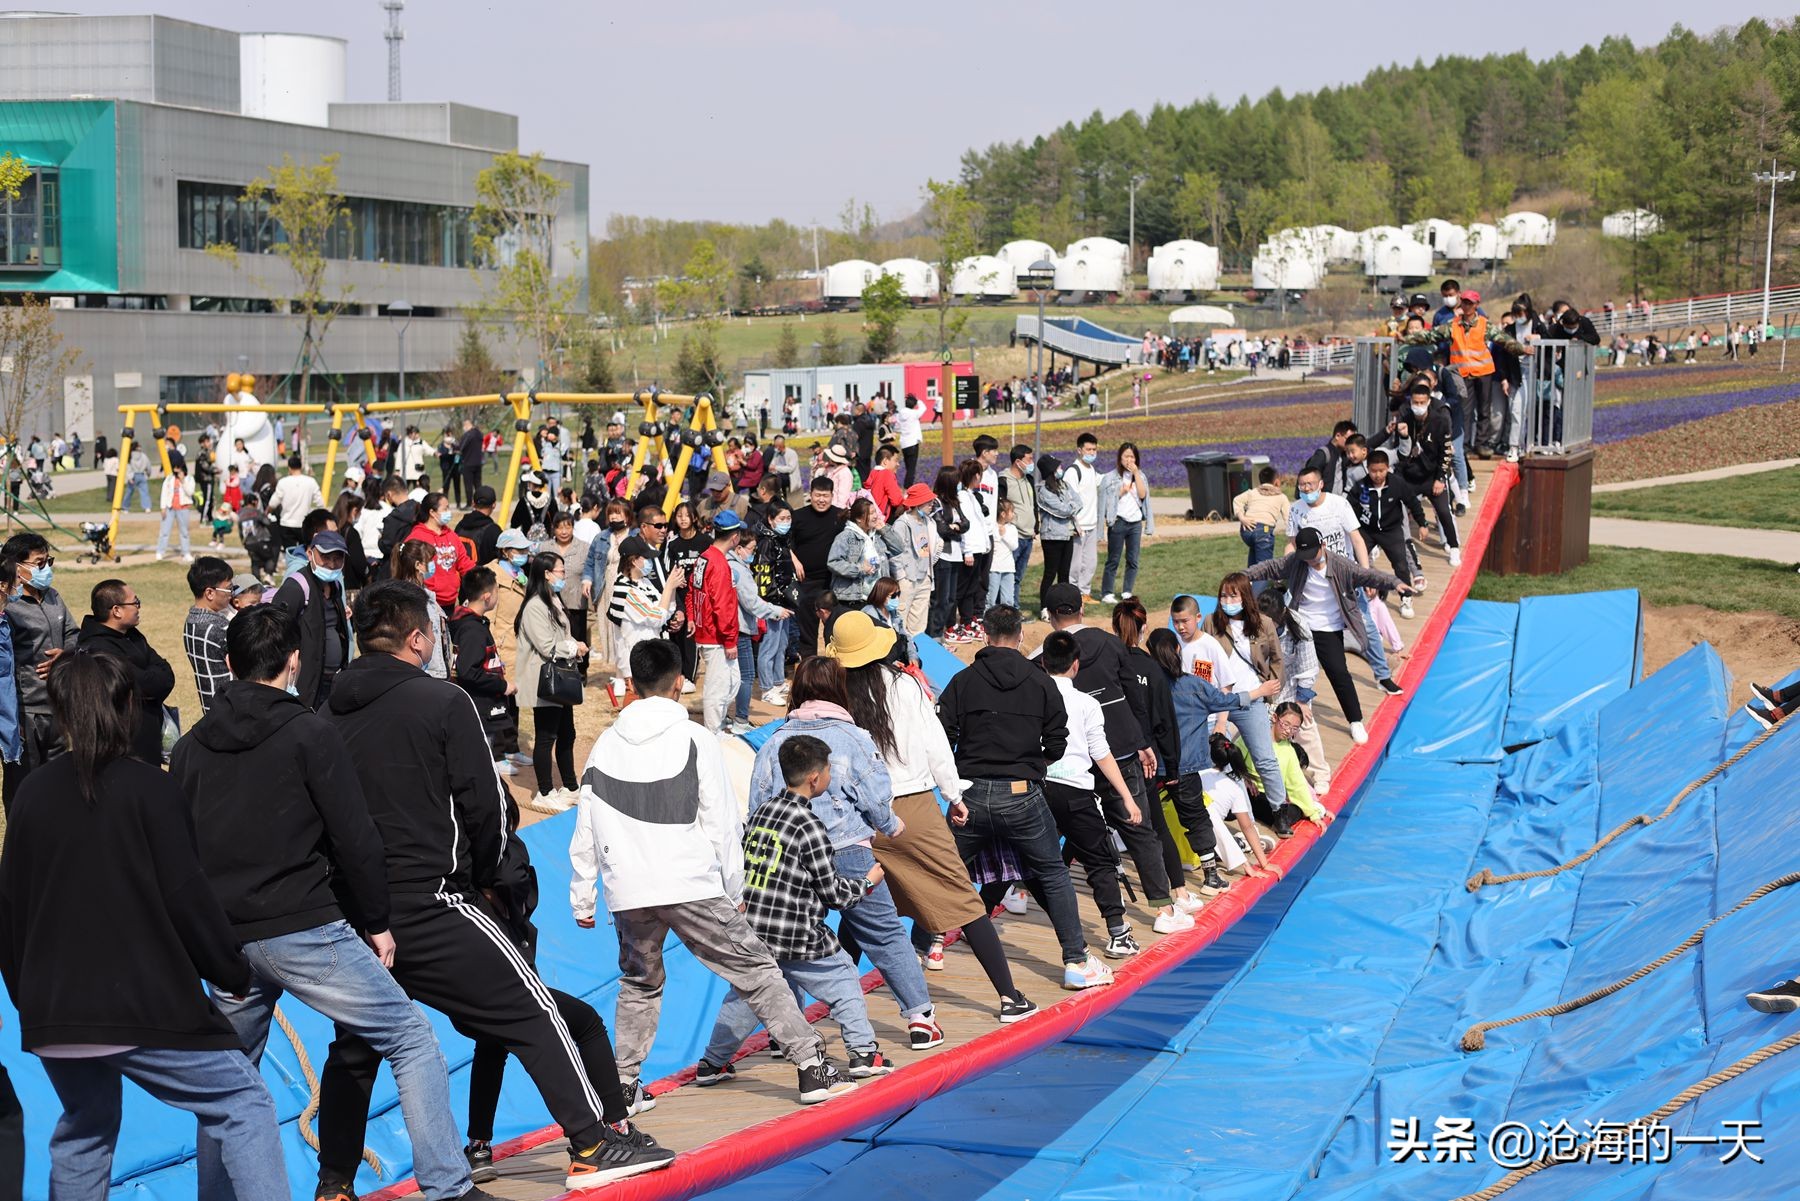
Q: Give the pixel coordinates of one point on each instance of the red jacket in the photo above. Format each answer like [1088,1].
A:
[884,487]
[712,606]
[452,560]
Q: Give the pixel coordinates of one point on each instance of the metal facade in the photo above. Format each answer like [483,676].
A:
[153,59]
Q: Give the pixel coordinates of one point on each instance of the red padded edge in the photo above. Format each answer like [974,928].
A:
[756,1148]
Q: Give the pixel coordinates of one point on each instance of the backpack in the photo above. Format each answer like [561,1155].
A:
[269,593]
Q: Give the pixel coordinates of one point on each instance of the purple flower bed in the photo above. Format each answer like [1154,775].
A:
[1616,422]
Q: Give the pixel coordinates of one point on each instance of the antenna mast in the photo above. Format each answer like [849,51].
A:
[395,35]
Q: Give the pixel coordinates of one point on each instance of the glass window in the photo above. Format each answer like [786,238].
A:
[382,231]
[30,224]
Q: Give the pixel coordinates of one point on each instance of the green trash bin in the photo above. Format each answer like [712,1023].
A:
[1208,485]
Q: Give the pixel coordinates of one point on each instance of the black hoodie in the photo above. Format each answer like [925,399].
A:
[484,532]
[427,773]
[152,679]
[283,825]
[1004,717]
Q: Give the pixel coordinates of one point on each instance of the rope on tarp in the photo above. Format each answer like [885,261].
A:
[312,1086]
[1655,1118]
[1486,876]
[1476,1037]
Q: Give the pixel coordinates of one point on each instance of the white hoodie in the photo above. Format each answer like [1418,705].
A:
[658,822]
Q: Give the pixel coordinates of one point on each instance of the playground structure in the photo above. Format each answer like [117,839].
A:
[695,428]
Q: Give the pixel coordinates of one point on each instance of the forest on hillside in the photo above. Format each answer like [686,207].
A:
[1678,127]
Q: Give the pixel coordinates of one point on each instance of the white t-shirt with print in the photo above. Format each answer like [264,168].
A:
[1332,517]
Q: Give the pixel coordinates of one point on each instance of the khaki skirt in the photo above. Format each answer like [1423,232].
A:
[924,873]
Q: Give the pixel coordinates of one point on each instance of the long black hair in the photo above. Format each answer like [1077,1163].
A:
[1049,473]
[537,584]
[868,688]
[1165,648]
[96,706]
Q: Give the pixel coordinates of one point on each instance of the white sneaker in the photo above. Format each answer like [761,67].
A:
[1109,599]
[1015,901]
[1322,790]
[687,687]
[1358,735]
[1456,556]
[1125,596]
[1512,456]
[572,795]
[1088,974]
[1406,609]
[1189,903]
[505,767]
[1175,919]
[159,556]
[548,802]
[520,758]
[777,695]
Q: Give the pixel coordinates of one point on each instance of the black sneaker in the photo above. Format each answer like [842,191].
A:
[331,1190]
[821,1082]
[1016,1008]
[1388,686]
[775,1050]
[637,1099]
[1767,694]
[1779,998]
[1460,509]
[706,1075]
[1212,883]
[1766,718]
[1283,825]
[477,1194]
[1121,946]
[864,1064]
[480,1154]
[622,1151]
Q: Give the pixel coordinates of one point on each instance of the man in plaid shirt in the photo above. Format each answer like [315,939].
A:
[789,885]
[203,633]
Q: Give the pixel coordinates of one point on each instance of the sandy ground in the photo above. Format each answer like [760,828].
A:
[1755,646]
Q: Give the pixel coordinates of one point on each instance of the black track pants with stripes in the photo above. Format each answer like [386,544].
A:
[452,955]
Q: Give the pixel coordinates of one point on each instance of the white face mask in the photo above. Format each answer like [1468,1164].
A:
[1420,410]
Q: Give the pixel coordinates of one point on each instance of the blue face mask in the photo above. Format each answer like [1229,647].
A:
[292,689]
[41,576]
[1089,457]
[517,560]
[893,604]
[329,575]
[1232,608]
[782,527]
[1311,498]
[556,585]
[430,568]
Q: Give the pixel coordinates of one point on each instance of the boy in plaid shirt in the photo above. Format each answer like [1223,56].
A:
[789,884]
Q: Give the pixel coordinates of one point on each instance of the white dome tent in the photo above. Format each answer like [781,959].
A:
[1184,265]
[918,278]
[1486,243]
[1338,243]
[1631,223]
[1022,254]
[1393,257]
[847,279]
[984,277]
[1285,267]
[1526,228]
[1092,265]
[1446,239]
[1202,314]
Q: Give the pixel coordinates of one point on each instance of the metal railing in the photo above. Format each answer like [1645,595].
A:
[1726,308]
[1094,350]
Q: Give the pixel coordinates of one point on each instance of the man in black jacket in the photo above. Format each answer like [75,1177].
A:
[816,527]
[417,745]
[281,821]
[111,628]
[314,598]
[402,516]
[1425,457]
[478,668]
[1007,724]
[1381,502]
[479,526]
[42,629]
[471,456]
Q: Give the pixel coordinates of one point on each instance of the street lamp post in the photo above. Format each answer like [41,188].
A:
[1042,276]
[1131,227]
[403,310]
[1774,178]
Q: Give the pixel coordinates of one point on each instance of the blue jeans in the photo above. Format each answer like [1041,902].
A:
[1021,560]
[876,927]
[832,980]
[1023,821]
[771,655]
[1375,653]
[1002,589]
[1253,727]
[138,486]
[331,971]
[1122,539]
[747,660]
[181,520]
[1260,541]
[220,1088]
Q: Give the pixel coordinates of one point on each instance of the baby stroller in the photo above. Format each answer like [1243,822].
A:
[96,537]
[39,481]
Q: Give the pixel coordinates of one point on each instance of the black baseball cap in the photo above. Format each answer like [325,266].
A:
[1062,598]
[483,496]
[1307,541]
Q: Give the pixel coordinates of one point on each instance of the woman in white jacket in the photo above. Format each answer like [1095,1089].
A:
[177,511]
[976,541]
[544,634]
[923,870]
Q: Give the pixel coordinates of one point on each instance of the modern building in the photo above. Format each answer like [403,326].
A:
[843,385]
[143,133]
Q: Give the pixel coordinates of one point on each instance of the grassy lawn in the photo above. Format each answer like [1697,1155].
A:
[1766,500]
[1664,578]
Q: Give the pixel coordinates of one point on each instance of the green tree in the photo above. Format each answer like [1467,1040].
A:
[787,346]
[950,217]
[517,201]
[1199,207]
[883,304]
[697,365]
[474,373]
[14,171]
[303,203]
[593,363]
[831,346]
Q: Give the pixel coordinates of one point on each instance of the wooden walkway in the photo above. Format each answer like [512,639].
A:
[689,1116]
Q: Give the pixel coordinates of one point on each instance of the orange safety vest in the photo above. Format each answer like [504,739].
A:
[1469,352]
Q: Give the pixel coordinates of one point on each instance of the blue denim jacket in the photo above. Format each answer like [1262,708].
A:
[594,569]
[11,743]
[860,800]
[1196,700]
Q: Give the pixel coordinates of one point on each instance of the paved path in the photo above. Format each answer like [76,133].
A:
[1697,477]
[1775,546]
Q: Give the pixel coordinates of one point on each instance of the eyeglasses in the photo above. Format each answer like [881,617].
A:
[46,561]
[658,525]
[130,604]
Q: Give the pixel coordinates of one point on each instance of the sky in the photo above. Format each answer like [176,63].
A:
[693,109]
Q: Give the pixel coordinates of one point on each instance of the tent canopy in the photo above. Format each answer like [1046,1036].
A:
[1202,314]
